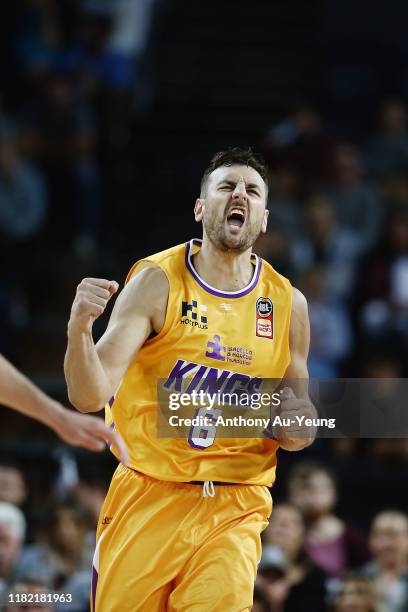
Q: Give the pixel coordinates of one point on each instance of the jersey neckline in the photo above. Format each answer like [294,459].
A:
[224,294]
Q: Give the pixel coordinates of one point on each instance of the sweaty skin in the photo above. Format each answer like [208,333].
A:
[93,372]
[17,392]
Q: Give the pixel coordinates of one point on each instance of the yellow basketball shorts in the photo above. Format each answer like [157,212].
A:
[163,546]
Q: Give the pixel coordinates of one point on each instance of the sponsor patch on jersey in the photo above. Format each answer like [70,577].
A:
[215,350]
[264,318]
[190,316]
[233,354]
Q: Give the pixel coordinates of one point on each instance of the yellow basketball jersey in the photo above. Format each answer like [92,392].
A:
[238,337]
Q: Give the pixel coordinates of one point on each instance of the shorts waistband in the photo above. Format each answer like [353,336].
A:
[216,483]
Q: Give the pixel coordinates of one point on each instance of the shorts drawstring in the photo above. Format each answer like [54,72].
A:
[208,489]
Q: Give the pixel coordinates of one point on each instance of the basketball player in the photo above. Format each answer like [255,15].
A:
[180,527]
[17,392]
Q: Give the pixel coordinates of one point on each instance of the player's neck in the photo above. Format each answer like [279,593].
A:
[223,270]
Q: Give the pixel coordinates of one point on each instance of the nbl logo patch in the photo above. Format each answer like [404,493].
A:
[264,318]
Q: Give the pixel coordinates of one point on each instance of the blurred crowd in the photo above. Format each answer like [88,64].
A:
[312,559]
[339,230]
[71,86]
[78,77]
[47,537]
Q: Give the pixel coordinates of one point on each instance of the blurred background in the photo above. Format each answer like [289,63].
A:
[109,112]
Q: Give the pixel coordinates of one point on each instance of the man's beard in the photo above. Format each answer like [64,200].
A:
[217,235]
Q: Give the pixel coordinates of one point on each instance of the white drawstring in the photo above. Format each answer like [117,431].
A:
[208,489]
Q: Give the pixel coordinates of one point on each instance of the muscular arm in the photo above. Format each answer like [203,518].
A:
[299,341]
[297,374]
[93,372]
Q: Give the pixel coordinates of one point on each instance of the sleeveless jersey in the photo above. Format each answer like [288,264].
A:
[239,337]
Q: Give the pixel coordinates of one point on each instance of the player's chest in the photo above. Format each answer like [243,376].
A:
[237,335]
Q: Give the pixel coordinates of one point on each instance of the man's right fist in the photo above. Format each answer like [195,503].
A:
[90,301]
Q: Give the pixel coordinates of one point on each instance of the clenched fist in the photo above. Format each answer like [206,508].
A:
[90,301]
[294,427]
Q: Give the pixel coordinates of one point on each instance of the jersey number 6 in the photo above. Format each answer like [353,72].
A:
[202,436]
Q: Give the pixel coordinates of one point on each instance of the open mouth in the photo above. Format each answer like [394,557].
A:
[236,217]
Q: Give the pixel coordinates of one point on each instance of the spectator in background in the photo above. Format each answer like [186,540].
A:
[13,488]
[63,553]
[284,221]
[105,73]
[394,188]
[389,568]
[97,67]
[384,281]
[90,491]
[327,243]
[39,37]
[60,135]
[330,542]
[331,337]
[287,576]
[274,247]
[285,210]
[356,204]
[23,208]
[379,364]
[300,140]
[109,57]
[12,534]
[23,197]
[271,581]
[387,152]
[260,601]
[387,394]
[356,594]
[130,26]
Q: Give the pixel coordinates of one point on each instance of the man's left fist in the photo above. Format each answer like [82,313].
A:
[292,427]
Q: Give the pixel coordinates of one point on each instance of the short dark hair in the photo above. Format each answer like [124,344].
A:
[236,155]
[367,586]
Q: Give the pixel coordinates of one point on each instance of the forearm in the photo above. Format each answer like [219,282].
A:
[89,387]
[16,391]
[299,414]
